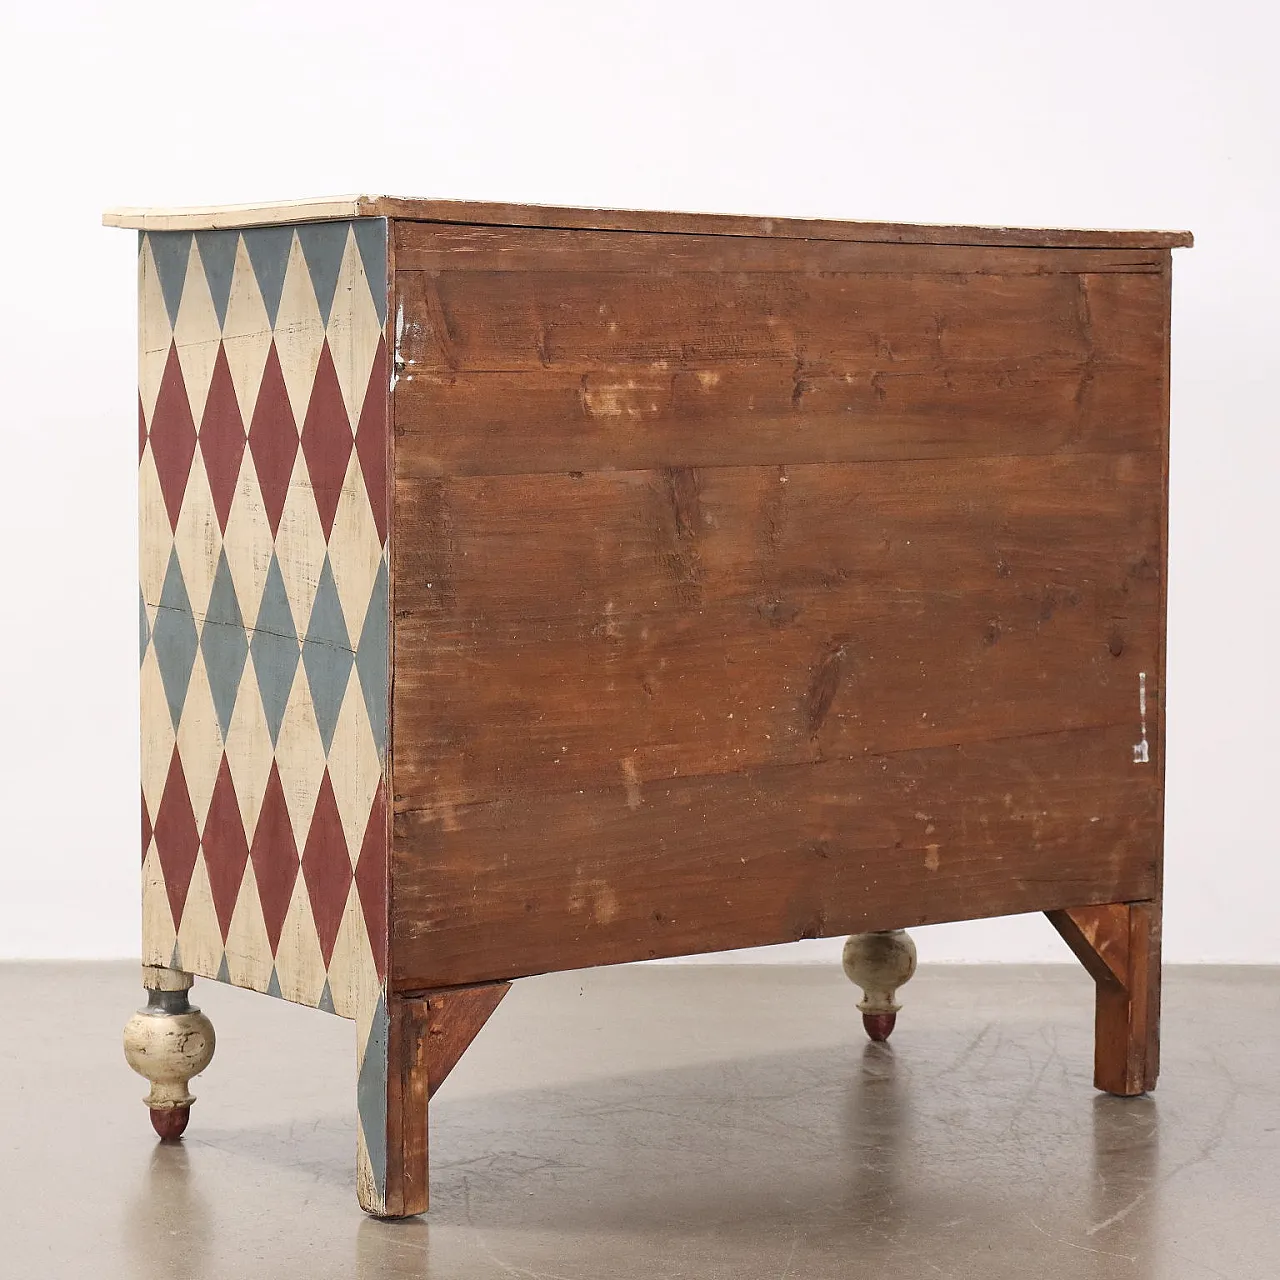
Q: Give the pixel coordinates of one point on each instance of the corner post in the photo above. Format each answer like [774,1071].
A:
[413,1042]
[1119,945]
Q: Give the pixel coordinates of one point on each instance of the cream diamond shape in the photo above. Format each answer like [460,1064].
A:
[248,948]
[157,733]
[354,549]
[158,934]
[300,545]
[353,977]
[367,994]
[366,1180]
[248,541]
[249,750]
[196,333]
[199,938]
[246,334]
[199,741]
[154,331]
[299,962]
[353,330]
[197,539]
[300,758]
[155,537]
[354,767]
[299,333]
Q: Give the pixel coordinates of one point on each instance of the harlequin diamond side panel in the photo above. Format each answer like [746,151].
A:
[263,480]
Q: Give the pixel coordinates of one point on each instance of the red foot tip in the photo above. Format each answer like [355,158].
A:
[170,1122]
[879,1026]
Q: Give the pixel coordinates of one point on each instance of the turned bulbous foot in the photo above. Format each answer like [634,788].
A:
[879,963]
[168,1042]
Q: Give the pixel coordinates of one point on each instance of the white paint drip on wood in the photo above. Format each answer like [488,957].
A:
[397,359]
[1141,751]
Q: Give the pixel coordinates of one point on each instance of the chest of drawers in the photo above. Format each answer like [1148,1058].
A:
[526,589]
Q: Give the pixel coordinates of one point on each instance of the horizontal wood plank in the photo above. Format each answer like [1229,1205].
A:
[435,247]
[519,886]
[604,631]
[624,418]
[478,320]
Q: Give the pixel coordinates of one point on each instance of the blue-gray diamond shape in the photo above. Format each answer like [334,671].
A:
[326,654]
[268,249]
[371,240]
[323,244]
[170,251]
[275,649]
[175,639]
[224,643]
[371,1096]
[218,257]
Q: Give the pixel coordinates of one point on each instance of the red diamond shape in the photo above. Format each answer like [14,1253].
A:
[142,430]
[273,439]
[146,827]
[372,439]
[326,867]
[275,858]
[371,879]
[173,436]
[326,439]
[225,848]
[222,438]
[177,840]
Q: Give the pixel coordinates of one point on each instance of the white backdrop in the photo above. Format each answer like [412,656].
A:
[1103,113]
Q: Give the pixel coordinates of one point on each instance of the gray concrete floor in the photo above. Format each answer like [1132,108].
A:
[662,1122]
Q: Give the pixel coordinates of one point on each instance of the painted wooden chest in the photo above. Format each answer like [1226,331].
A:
[524,589]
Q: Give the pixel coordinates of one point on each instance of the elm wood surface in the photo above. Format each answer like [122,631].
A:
[794,590]
[691,622]
[427,1034]
[847,360]
[531,883]
[1119,945]
[648,220]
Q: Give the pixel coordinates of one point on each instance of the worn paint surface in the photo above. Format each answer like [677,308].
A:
[263,393]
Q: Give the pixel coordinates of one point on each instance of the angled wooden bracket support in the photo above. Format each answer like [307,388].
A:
[1119,945]
[427,1033]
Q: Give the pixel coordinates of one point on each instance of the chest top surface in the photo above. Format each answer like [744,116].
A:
[320,209]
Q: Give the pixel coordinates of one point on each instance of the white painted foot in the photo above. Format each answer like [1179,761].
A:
[879,963]
[167,1042]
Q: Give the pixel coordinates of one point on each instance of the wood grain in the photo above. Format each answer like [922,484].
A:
[758,590]
[647,362]
[407,1092]
[769,414]
[1119,945]
[427,1034]
[454,1019]
[528,882]
[684,624]
[437,247]
[583,320]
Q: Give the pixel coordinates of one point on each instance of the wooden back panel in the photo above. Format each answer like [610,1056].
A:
[748,590]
